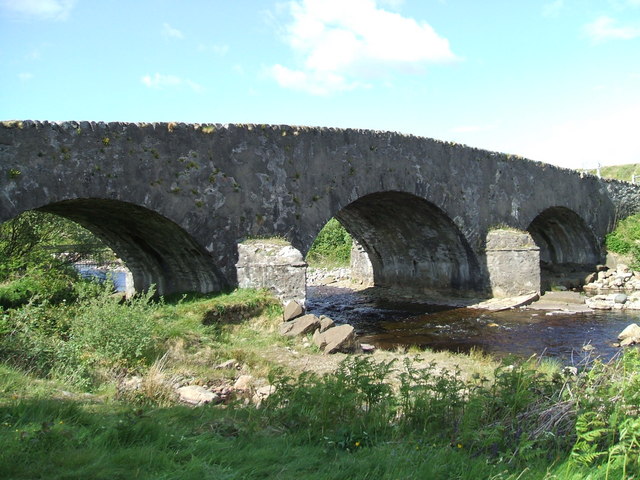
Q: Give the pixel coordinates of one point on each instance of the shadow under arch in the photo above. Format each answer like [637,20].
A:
[156,250]
[412,244]
[567,246]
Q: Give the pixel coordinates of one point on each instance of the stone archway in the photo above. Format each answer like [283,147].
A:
[412,244]
[156,250]
[568,248]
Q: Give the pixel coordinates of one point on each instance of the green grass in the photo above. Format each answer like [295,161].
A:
[618,172]
[331,248]
[625,239]
[48,432]
[374,417]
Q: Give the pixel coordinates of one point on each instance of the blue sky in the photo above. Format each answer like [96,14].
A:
[552,80]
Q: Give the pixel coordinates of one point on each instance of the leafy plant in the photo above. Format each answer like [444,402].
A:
[332,246]
[625,239]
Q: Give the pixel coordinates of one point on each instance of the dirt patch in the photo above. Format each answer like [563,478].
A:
[300,359]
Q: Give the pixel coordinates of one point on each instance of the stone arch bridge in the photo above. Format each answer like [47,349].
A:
[174,200]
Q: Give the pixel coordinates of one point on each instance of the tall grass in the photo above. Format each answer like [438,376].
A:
[61,415]
[368,420]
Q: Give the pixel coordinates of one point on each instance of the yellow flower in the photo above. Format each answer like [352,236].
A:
[459,445]
[357,444]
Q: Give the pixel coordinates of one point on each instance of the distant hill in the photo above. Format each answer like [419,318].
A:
[620,172]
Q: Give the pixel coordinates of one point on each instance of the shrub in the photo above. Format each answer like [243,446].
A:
[625,239]
[38,285]
[79,343]
[332,246]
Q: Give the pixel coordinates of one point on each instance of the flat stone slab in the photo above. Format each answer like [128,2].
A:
[300,326]
[499,304]
[196,395]
[565,302]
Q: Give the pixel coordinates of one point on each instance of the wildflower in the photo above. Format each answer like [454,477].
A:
[357,444]
[459,445]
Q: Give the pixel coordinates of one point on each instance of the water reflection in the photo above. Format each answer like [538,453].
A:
[518,332]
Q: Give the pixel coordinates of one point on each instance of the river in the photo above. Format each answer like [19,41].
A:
[519,332]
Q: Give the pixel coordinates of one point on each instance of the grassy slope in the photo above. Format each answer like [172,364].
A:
[624,239]
[341,426]
[619,172]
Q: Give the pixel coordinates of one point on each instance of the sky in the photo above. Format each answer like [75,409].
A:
[556,81]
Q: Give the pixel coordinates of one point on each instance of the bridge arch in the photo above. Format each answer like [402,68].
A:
[412,244]
[156,250]
[566,243]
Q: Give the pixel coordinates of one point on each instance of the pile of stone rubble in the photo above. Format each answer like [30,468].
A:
[613,289]
[327,336]
[322,276]
[197,393]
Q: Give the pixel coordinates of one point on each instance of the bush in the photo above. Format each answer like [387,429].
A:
[115,334]
[39,285]
[625,239]
[332,246]
[81,342]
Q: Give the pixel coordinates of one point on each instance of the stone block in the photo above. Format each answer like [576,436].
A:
[275,266]
[513,263]
[196,395]
[300,326]
[292,310]
[336,339]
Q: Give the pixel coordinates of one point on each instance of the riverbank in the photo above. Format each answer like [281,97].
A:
[394,414]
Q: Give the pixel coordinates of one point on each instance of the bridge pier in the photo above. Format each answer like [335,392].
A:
[274,265]
[513,263]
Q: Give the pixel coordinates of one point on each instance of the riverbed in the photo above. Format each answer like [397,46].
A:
[571,338]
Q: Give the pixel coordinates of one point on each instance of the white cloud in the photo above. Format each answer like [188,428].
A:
[217,49]
[340,42]
[170,32]
[394,4]
[605,28]
[41,9]
[606,138]
[313,82]
[160,81]
[552,9]
[25,76]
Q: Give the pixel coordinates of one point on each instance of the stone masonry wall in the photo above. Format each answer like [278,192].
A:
[513,262]
[274,266]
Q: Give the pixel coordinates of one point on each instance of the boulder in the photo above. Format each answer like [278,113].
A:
[337,339]
[292,310]
[620,298]
[326,323]
[262,394]
[630,335]
[228,365]
[243,383]
[367,348]
[319,339]
[599,304]
[197,395]
[592,277]
[300,326]
[622,268]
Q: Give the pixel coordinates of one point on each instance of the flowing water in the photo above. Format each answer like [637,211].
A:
[517,332]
